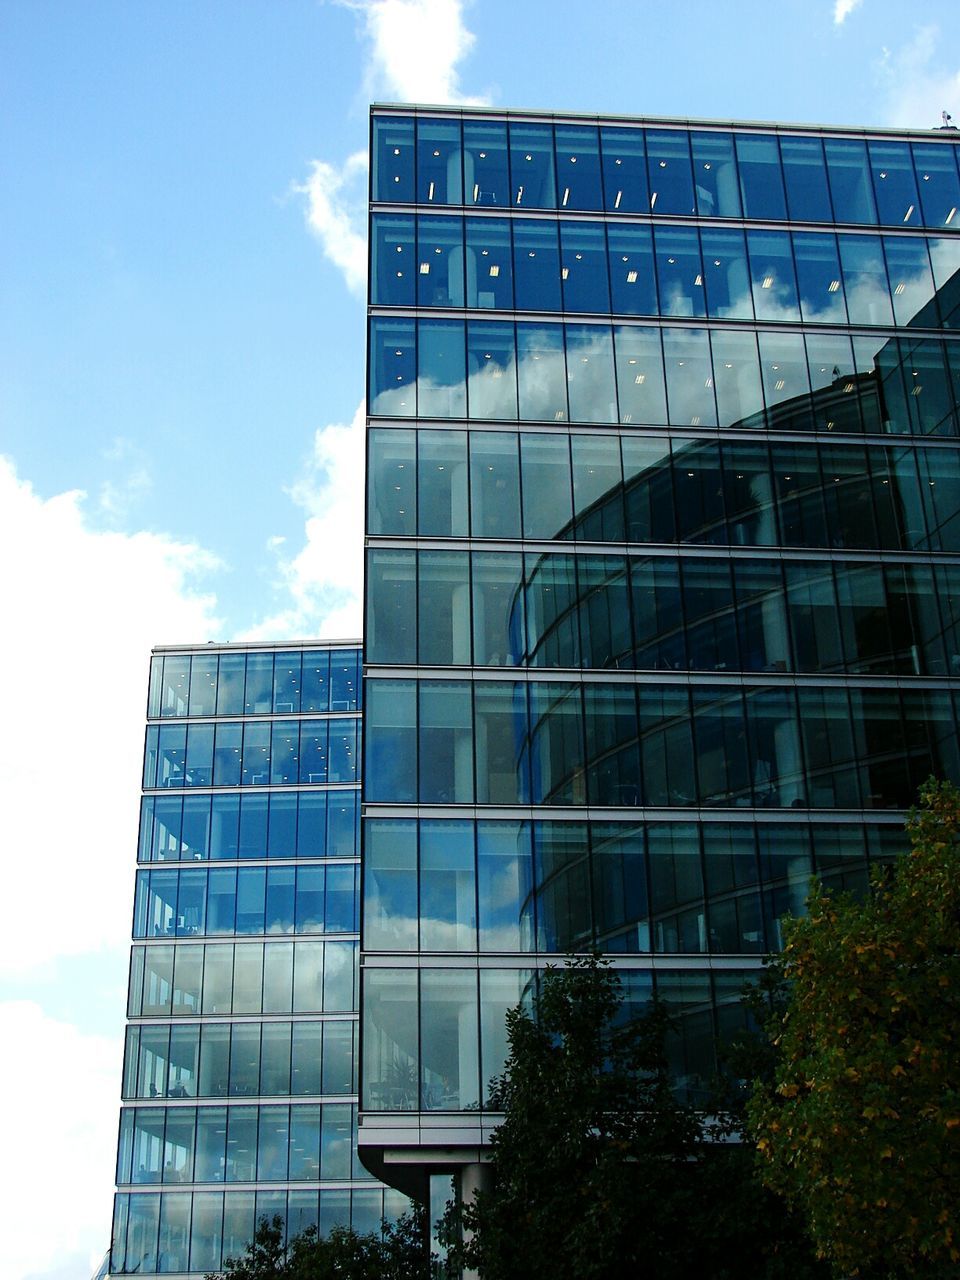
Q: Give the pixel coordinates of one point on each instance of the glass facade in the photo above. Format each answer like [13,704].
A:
[663,567]
[240,1084]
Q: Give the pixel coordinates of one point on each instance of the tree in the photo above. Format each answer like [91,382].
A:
[400,1253]
[859,1127]
[599,1171]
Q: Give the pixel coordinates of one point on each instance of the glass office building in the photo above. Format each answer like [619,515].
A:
[239,1078]
[663,567]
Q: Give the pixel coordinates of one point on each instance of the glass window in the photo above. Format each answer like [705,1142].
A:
[203,685]
[316,662]
[552,631]
[391,508]
[222,900]
[226,755]
[253,826]
[305,1058]
[259,688]
[393,367]
[633,283]
[699,494]
[284,759]
[492,366]
[761,615]
[304,1144]
[448,911]
[689,377]
[449,1040]
[670,176]
[723,766]
[393,265]
[504,876]
[761,182]
[676,888]
[945,256]
[729,295]
[547,496]
[562,868]
[591,383]
[850,185]
[736,373]
[771,269]
[439,262]
[556,744]
[144,1213]
[273,1145]
[196,824]
[597,488]
[666,746]
[217,979]
[314,733]
[500,991]
[865,280]
[498,625]
[390,1040]
[814,624]
[775,761]
[542,373]
[494,485]
[344,751]
[245,1060]
[489,264]
[783,363]
[578,167]
[641,391]
[442,371]
[312,824]
[278,916]
[175,686]
[277,977]
[188,981]
[206,1231]
[531,166]
[583,266]
[680,272]
[393,159]
[485,166]
[624,170]
[536,265]
[391,624]
[835,403]
[501,726]
[443,593]
[604,611]
[657,614]
[230,684]
[805,178]
[613,761]
[445,742]
[251,891]
[715,175]
[621,921]
[390,907]
[893,182]
[911,281]
[747,495]
[171,751]
[282,829]
[709,612]
[938,183]
[819,279]
[439,172]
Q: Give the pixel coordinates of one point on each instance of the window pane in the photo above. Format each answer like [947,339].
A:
[449,1040]
[531,166]
[578,167]
[583,266]
[536,266]
[393,265]
[805,176]
[670,177]
[494,485]
[442,373]
[624,170]
[850,184]
[446,743]
[486,170]
[489,264]
[725,268]
[393,367]
[439,174]
[439,263]
[715,175]
[542,373]
[442,484]
[393,159]
[771,269]
[679,272]
[391,508]
[448,919]
[640,376]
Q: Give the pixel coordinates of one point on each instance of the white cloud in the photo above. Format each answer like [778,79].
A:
[82,609]
[60,1124]
[916,83]
[416,47]
[324,578]
[336,214]
[842,10]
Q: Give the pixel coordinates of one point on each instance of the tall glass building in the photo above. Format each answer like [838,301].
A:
[239,1079]
[663,567]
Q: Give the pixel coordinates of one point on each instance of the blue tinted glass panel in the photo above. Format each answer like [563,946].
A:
[911,281]
[393,159]
[689,378]
[850,184]
[442,482]
[504,874]
[489,269]
[772,273]
[448,891]
[390,886]
[439,162]
[492,383]
[203,685]
[633,284]
[196,827]
[259,690]
[865,280]
[230,684]
[445,742]
[729,295]
[541,373]
[442,372]
[316,662]
[393,267]
[783,362]
[761,182]
[253,827]
[641,391]
[591,384]
[893,183]
[391,607]
[680,272]
[282,828]
[171,751]
[583,266]
[199,768]
[736,375]
[715,175]
[578,167]
[536,262]
[805,178]
[440,262]
[486,173]
[494,485]
[391,761]
[624,170]
[531,166]
[547,496]
[393,367]
[819,278]
[938,183]
[945,256]
[669,172]
[391,508]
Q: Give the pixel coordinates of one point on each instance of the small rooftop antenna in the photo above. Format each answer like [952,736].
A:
[946,117]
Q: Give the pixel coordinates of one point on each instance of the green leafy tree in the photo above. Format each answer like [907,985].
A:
[859,1126]
[400,1253]
[599,1171]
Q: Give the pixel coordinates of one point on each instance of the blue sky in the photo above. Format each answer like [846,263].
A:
[181,379]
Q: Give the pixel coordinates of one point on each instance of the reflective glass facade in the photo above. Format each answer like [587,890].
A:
[663,566]
[240,1063]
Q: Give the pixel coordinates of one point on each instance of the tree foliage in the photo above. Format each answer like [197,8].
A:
[859,1127]
[599,1171]
[398,1254]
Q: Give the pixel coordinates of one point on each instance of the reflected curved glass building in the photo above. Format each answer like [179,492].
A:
[239,1077]
[663,567]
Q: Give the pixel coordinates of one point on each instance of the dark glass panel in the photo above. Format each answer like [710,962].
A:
[442,509]
[676,888]
[578,167]
[253,826]
[666,746]
[624,170]
[761,615]
[494,485]
[485,166]
[489,264]
[819,279]
[669,172]
[443,604]
[562,873]
[835,402]
[251,891]
[679,271]
[729,295]
[284,757]
[945,256]
[551,604]
[772,274]
[723,766]
[640,376]
[500,711]
[391,608]
[709,613]
[230,684]
[492,371]
[604,611]
[881,750]
[316,662]
[657,615]
[196,826]
[393,159]
[393,265]
[439,262]
[226,755]
[312,824]
[850,186]
[278,915]
[245,1060]
[391,508]
[591,382]
[445,742]
[282,827]
[613,758]
[505,881]
[829,749]
[583,266]
[531,166]
[305,1058]
[715,175]
[439,168]
[761,182]
[786,386]
[536,266]
[631,268]
[937,182]
[911,281]
[940,494]
[597,488]
[865,280]
[556,744]
[848,496]
[748,495]
[441,369]
[345,689]
[171,750]
[620,907]
[805,178]
[799,491]
[893,182]
[314,748]
[449,1040]
[699,492]
[498,621]
[448,891]
[393,367]
[776,763]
